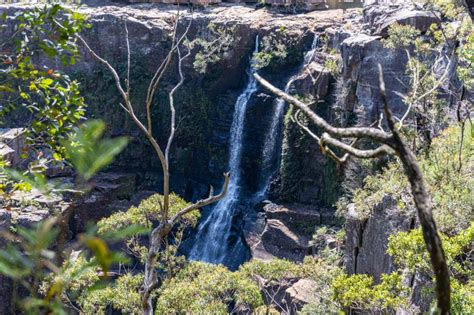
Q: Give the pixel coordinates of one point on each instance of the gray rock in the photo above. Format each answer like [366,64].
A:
[12,145]
[302,218]
[300,293]
[281,236]
[281,231]
[367,239]
[313,81]
[5,222]
[360,91]
[421,20]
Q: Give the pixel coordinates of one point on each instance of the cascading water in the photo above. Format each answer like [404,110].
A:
[215,240]
[211,241]
[270,144]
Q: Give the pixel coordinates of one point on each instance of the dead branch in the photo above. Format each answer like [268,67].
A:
[204,202]
[390,143]
[171,101]
[361,154]
[352,132]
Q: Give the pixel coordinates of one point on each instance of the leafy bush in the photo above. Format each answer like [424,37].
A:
[122,295]
[273,48]
[148,210]
[359,292]
[204,288]
[51,96]
[447,168]
[409,253]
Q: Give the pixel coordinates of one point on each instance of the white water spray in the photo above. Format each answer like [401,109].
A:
[211,238]
[269,147]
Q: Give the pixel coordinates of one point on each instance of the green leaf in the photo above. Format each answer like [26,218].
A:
[6,88]
[46,83]
[88,153]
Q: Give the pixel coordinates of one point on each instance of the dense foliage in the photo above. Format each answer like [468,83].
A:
[96,280]
[29,80]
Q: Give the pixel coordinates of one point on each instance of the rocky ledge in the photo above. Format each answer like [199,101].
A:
[286,231]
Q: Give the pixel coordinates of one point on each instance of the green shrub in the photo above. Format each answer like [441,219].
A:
[149,209]
[202,288]
[122,295]
[448,170]
[359,292]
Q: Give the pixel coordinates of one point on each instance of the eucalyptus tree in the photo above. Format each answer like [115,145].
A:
[181,49]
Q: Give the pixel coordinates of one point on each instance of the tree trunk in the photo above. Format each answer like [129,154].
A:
[425,214]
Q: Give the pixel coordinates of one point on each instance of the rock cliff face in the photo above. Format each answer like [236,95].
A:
[306,183]
[205,104]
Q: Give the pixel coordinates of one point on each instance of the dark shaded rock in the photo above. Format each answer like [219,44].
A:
[274,293]
[328,217]
[313,81]
[31,216]
[6,289]
[300,217]
[105,198]
[281,237]
[281,231]
[367,239]
[5,222]
[253,230]
[421,20]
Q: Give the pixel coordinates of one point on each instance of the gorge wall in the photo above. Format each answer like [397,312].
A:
[306,184]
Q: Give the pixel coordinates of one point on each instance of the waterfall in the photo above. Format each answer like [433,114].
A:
[270,144]
[211,239]
[215,240]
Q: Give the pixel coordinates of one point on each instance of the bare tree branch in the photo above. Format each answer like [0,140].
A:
[155,82]
[204,202]
[353,132]
[171,101]
[361,154]
[391,143]
[128,58]
[424,208]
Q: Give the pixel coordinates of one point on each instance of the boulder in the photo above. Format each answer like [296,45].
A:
[421,20]
[253,230]
[300,293]
[30,216]
[7,153]
[279,235]
[287,295]
[12,145]
[313,81]
[302,218]
[359,91]
[281,231]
